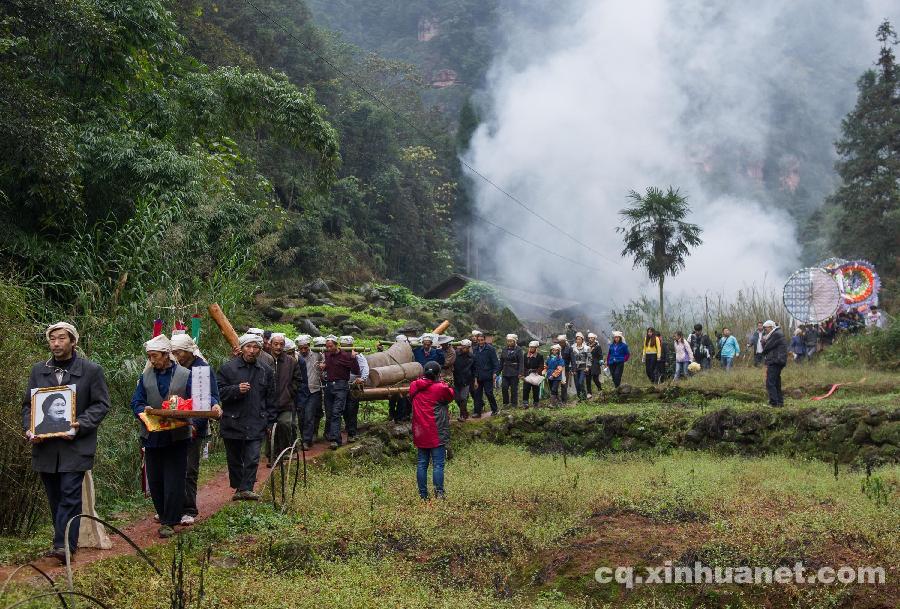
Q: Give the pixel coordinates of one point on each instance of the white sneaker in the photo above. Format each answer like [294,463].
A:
[590,396]
[155,517]
[187,520]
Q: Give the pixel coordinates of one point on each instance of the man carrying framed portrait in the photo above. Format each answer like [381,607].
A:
[63,406]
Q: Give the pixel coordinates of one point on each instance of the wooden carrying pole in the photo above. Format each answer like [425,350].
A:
[357,349]
[442,327]
[379,393]
[215,311]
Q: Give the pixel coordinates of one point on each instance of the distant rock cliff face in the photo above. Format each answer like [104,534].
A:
[429,27]
[444,78]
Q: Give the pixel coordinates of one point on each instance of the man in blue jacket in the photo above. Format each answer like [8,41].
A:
[165,450]
[428,352]
[486,367]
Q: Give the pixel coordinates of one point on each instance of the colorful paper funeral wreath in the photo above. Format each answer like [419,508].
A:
[859,282]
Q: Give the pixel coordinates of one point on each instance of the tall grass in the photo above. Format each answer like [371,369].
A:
[740,313]
[360,537]
[19,504]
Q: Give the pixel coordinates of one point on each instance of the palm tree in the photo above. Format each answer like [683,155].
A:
[656,235]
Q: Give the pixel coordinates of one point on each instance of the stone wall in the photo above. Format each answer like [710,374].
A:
[858,435]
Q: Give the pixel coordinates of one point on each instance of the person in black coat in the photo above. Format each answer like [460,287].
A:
[487,365]
[775,355]
[596,368]
[701,346]
[62,461]
[512,370]
[247,389]
[463,376]
[666,359]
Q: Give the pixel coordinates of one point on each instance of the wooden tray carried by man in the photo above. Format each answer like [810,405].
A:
[182,408]
[184,414]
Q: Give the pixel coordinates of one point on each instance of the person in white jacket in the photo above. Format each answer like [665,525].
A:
[683,356]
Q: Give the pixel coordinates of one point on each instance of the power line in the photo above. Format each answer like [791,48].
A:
[423,133]
[416,128]
[537,245]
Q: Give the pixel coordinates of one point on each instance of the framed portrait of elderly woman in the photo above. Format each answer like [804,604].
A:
[52,411]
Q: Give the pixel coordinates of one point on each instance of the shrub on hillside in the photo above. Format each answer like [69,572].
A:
[877,348]
[20,499]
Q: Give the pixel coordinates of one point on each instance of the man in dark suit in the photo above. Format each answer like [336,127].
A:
[247,389]
[775,356]
[486,365]
[62,461]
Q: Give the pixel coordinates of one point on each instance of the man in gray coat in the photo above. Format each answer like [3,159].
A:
[247,389]
[310,392]
[62,462]
[289,375]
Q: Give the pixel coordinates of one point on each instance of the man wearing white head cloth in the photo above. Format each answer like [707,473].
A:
[596,369]
[187,354]
[534,367]
[61,461]
[336,367]
[399,406]
[247,387]
[263,356]
[428,352]
[289,375]
[512,370]
[351,412]
[165,451]
[463,377]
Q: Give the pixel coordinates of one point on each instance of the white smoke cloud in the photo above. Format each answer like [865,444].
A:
[591,99]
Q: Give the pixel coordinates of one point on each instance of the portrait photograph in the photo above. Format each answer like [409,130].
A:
[52,411]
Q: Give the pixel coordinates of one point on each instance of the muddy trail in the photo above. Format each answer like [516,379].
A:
[211,497]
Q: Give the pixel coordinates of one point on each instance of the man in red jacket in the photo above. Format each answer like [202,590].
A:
[431,398]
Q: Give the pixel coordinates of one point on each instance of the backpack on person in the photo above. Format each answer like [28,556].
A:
[698,346]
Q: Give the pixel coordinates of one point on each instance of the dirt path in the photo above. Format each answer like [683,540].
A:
[211,497]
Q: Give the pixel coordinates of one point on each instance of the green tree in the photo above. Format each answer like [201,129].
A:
[868,199]
[656,235]
[113,137]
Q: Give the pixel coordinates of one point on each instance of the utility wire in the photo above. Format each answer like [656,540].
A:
[416,128]
[537,245]
[422,132]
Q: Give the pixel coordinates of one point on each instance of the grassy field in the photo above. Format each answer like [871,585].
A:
[528,530]
[519,530]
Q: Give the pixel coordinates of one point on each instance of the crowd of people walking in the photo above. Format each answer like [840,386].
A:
[275,391]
